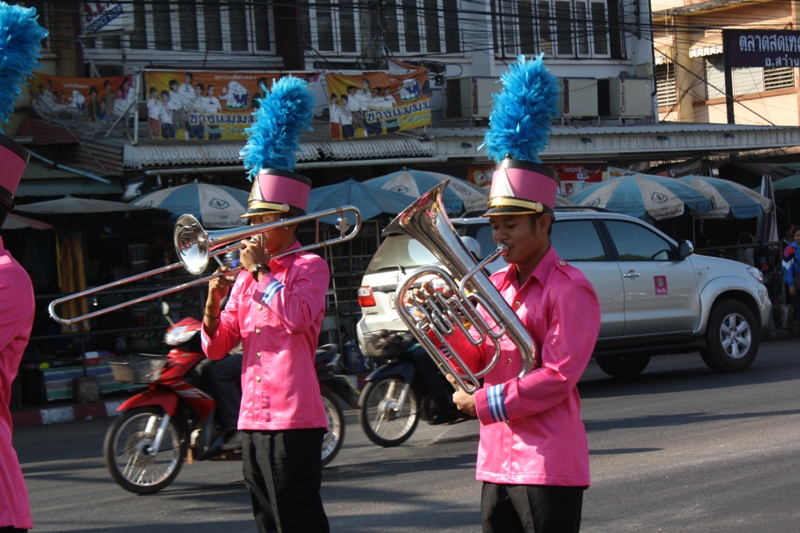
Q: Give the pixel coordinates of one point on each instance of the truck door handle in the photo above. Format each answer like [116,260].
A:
[631,275]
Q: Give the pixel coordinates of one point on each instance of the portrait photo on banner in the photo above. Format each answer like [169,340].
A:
[377,103]
[87,104]
[204,105]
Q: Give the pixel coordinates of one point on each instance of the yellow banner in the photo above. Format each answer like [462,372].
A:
[377,103]
[205,106]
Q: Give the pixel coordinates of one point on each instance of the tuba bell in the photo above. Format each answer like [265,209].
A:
[426,221]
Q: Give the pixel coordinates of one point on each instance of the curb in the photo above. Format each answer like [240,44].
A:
[68,413]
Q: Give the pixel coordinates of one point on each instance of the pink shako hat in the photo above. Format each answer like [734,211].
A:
[13,160]
[278,191]
[521,187]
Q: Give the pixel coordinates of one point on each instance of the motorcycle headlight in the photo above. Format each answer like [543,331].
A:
[179,335]
[756,273]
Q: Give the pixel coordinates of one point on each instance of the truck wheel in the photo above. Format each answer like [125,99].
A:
[731,338]
[623,366]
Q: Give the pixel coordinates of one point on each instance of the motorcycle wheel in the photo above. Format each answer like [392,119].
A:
[129,458]
[334,438]
[380,421]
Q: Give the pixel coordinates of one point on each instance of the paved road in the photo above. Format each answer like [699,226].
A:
[678,449]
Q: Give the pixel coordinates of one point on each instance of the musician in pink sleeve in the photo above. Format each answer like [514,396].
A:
[275,309]
[533,456]
[16,321]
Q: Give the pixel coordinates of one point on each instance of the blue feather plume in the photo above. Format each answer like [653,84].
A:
[519,124]
[20,43]
[274,138]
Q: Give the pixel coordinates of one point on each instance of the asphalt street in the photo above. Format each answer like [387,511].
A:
[677,449]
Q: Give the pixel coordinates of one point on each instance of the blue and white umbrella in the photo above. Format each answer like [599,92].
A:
[370,201]
[215,206]
[640,195]
[729,198]
[458,195]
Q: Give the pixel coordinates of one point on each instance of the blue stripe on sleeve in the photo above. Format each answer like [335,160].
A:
[273,287]
[497,406]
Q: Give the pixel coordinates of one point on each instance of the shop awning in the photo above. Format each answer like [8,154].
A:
[42,180]
[707,46]
[149,154]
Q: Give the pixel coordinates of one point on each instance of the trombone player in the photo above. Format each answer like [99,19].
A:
[275,308]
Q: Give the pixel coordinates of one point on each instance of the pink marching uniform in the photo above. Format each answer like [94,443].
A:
[15,327]
[279,331]
[525,421]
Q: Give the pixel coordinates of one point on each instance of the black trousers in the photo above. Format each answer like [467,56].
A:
[283,473]
[225,378]
[531,508]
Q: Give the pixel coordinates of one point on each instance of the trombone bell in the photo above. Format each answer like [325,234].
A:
[191,244]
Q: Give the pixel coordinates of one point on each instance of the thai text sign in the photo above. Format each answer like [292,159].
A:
[204,105]
[104,16]
[377,103]
[89,104]
[762,48]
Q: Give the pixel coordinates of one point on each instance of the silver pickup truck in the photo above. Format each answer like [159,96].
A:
[657,296]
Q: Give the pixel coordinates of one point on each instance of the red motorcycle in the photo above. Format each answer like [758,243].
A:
[173,420]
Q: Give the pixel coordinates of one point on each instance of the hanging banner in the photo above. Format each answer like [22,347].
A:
[579,172]
[377,103]
[206,106]
[480,175]
[572,176]
[88,104]
[100,17]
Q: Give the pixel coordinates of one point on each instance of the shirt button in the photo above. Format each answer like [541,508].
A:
[260,307]
[509,362]
[258,354]
[517,304]
[258,379]
[258,331]
[562,263]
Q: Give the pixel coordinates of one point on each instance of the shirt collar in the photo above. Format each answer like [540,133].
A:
[287,259]
[542,270]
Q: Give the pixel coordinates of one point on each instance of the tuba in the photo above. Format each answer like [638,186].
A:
[426,221]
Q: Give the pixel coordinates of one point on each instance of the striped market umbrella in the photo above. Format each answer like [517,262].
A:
[640,195]
[460,195]
[729,198]
[215,206]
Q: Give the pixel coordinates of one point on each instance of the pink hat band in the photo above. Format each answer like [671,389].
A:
[13,160]
[278,191]
[522,185]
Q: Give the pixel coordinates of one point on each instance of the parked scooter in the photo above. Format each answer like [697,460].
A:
[407,387]
[173,420]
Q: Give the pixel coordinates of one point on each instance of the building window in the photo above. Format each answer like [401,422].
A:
[187,21]
[665,85]
[197,25]
[778,78]
[139,35]
[406,27]
[563,28]
[746,80]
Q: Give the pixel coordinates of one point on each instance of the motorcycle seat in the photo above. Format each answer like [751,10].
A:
[326,353]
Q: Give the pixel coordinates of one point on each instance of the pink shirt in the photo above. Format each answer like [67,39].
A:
[531,428]
[16,320]
[278,321]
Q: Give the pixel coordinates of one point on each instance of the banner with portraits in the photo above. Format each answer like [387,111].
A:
[377,103]
[86,104]
[206,106]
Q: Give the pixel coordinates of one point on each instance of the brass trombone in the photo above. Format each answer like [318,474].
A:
[195,246]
